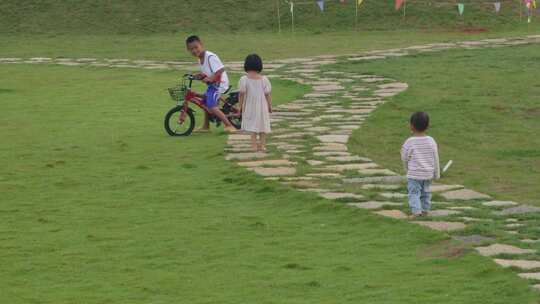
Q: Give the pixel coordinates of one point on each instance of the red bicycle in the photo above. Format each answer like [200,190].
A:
[180,120]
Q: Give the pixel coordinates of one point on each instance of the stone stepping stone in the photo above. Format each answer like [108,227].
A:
[523,209]
[530,276]
[462,208]
[272,162]
[443,212]
[313,162]
[395,214]
[319,129]
[496,249]
[472,219]
[393,195]
[331,153]
[394,85]
[464,194]
[379,187]
[331,147]
[514,225]
[240,137]
[351,127]
[333,138]
[365,58]
[354,166]
[442,188]
[499,204]
[442,226]
[377,172]
[275,171]
[522,264]
[245,156]
[340,195]
[325,175]
[316,190]
[376,179]
[348,158]
[330,87]
[473,239]
[316,95]
[372,205]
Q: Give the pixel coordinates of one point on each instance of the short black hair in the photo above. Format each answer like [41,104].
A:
[192,38]
[253,62]
[420,121]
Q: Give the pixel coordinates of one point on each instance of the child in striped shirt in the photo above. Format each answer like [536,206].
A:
[420,158]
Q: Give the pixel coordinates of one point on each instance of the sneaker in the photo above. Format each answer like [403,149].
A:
[414,216]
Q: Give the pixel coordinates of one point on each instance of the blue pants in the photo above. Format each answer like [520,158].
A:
[419,195]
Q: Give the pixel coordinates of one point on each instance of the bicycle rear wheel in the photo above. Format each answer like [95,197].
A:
[173,125]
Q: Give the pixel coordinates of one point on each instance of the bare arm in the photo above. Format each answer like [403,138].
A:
[242,99]
[216,77]
[269,101]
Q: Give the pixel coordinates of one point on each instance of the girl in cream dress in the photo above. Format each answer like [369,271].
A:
[256,102]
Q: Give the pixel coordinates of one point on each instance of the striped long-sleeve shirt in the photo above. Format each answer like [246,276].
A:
[420,158]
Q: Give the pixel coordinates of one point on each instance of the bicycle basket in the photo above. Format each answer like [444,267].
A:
[176,93]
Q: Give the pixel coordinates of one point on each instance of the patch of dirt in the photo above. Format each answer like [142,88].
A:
[446,249]
[474,30]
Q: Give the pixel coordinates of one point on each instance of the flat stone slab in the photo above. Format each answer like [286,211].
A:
[373,205]
[376,179]
[443,212]
[329,87]
[275,171]
[347,159]
[518,210]
[530,275]
[355,166]
[313,162]
[380,187]
[325,175]
[340,195]
[331,147]
[496,249]
[499,204]
[442,226]
[464,194]
[269,162]
[396,214]
[331,153]
[442,188]
[530,241]
[333,138]
[245,156]
[522,264]
[393,195]
[472,239]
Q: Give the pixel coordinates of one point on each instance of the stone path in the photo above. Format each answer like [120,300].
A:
[308,151]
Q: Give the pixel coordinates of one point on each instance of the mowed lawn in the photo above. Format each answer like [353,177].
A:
[98,205]
[485,111]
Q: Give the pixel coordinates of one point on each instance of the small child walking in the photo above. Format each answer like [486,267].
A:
[420,158]
[256,102]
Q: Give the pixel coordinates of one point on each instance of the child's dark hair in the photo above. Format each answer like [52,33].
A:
[420,121]
[254,63]
[192,38]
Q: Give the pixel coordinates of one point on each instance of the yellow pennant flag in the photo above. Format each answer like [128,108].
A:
[360,2]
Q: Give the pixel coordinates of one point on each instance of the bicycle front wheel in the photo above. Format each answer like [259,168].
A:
[174,127]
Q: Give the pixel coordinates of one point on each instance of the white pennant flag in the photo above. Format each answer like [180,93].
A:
[292,7]
[497,6]
[321,5]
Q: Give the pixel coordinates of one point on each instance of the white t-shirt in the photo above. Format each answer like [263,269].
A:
[211,65]
[420,156]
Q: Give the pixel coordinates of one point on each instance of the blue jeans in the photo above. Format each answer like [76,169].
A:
[419,195]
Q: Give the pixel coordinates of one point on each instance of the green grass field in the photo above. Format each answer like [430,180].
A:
[100,206]
[484,111]
[226,16]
